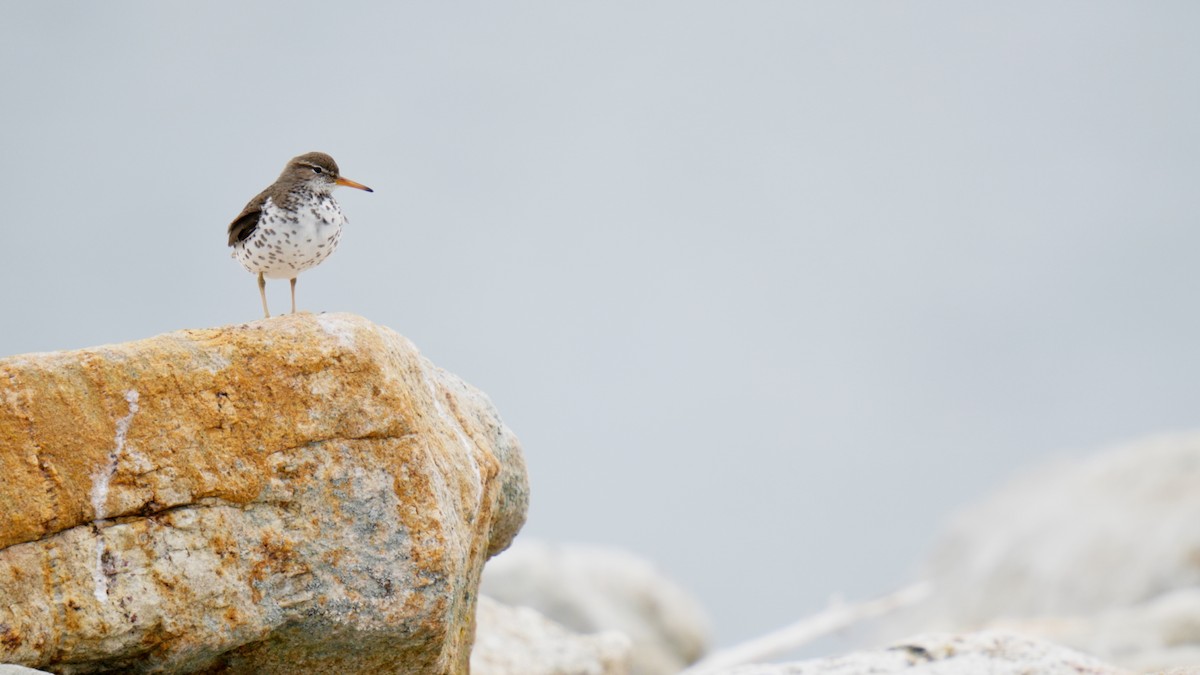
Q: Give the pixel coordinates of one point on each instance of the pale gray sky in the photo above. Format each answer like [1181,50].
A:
[767,289]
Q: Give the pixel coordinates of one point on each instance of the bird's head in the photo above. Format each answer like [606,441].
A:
[319,171]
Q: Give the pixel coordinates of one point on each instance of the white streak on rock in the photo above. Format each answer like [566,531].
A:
[100,482]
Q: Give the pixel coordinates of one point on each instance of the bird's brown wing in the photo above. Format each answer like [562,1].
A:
[243,226]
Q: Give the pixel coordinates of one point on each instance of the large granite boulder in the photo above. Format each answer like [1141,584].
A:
[299,494]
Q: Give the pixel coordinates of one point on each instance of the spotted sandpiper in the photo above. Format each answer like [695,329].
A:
[292,225]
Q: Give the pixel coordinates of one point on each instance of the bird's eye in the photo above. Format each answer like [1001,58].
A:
[317,169]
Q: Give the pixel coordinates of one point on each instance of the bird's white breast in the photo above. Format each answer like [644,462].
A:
[286,243]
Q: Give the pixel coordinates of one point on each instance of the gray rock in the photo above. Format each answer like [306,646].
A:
[6,669]
[519,641]
[593,588]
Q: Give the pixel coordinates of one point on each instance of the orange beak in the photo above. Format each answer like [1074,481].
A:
[349,183]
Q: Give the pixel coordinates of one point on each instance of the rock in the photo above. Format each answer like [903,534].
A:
[300,494]
[1155,635]
[986,653]
[1102,554]
[6,669]
[591,588]
[519,641]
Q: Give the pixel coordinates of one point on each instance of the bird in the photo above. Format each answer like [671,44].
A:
[293,225]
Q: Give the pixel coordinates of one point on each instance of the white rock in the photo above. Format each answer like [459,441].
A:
[986,653]
[1155,635]
[519,641]
[1101,554]
[1110,531]
[593,588]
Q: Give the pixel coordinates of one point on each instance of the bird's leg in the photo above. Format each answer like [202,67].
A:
[293,295]
[262,290]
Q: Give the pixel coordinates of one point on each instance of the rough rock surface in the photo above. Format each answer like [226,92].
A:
[986,653]
[1095,553]
[519,641]
[299,494]
[594,588]
[1161,633]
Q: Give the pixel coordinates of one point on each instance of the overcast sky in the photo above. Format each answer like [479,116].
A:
[767,289]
